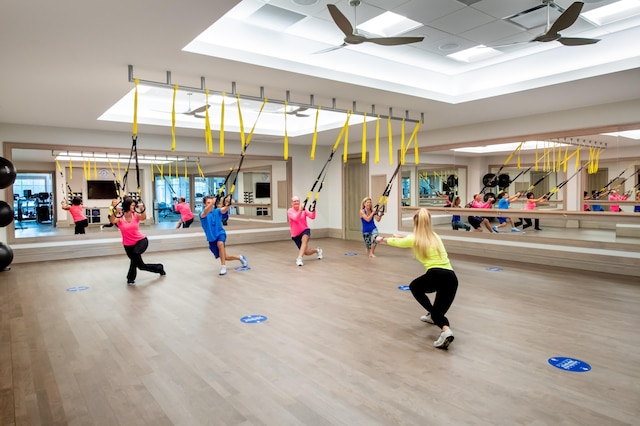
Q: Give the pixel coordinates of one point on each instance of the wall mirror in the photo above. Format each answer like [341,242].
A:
[449,174]
[48,174]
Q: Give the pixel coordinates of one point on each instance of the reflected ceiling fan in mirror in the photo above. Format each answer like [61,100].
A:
[564,21]
[351,32]
[197,113]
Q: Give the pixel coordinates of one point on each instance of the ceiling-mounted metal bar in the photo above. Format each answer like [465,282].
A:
[261,98]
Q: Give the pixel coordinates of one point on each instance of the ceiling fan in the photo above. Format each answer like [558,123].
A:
[564,21]
[351,32]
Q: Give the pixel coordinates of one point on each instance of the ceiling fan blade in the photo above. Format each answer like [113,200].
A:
[576,41]
[567,19]
[203,108]
[394,41]
[341,21]
[330,49]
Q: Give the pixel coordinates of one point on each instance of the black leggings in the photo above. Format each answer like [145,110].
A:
[445,284]
[80,225]
[135,254]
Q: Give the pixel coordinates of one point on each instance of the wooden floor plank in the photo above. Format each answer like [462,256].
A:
[342,344]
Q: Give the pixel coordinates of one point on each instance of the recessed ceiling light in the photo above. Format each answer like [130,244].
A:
[449,46]
[305,2]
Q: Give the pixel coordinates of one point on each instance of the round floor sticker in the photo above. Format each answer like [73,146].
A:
[243,268]
[569,364]
[403,287]
[253,319]
[494,269]
[351,254]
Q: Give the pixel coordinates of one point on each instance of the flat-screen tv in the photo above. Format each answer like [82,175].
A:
[101,190]
[263,190]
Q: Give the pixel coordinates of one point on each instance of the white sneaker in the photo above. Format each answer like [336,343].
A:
[299,261]
[223,270]
[319,253]
[515,230]
[427,318]
[101,227]
[495,229]
[243,260]
[445,339]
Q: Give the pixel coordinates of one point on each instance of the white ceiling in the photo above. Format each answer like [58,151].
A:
[65,63]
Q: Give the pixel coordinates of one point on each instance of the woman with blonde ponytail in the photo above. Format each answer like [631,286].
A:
[439,277]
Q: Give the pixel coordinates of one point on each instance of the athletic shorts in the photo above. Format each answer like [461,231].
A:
[213,245]
[475,221]
[298,239]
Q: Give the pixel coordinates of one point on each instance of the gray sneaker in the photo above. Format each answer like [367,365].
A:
[427,318]
[445,339]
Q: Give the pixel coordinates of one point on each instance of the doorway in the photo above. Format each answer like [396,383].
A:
[356,187]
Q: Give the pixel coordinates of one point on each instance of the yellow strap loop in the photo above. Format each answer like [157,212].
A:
[241,124]
[173,119]
[402,150]
[222,126]
[364,139]
[377,140]
[208,139]
[135,109]
[286,135]
[390,137]
[200,172]
[264,102]
[345,146]
[314,141]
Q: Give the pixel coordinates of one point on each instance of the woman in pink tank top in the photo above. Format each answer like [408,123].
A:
[135,242]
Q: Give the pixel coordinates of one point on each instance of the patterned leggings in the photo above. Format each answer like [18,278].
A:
[370,238]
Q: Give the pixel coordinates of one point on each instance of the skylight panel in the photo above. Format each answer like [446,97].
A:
[474,54]
[389,24]
[613,12]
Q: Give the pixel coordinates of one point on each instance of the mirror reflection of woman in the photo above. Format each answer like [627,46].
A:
[135,242]
[77,213]
[369,217]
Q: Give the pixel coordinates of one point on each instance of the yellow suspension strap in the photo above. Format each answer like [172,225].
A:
[364,139]
[208,139]
[377,158]
[345,145]
[322,173]
[381,205]
[402,150]
[67,193]
[286,135]
[315,136]
[390,138]
[604,188]
[246,143]
[133,156]
[549,194]
[222,126]
[173,119]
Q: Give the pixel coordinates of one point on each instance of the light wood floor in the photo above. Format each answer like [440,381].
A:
[342,345]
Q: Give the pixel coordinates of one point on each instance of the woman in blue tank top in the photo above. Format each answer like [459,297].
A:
[368,217]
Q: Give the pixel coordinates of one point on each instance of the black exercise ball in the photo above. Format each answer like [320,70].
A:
[6,256]
[6,214]
[7,173]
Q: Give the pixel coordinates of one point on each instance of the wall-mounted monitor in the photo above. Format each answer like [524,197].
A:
[101,190]
[263,190]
